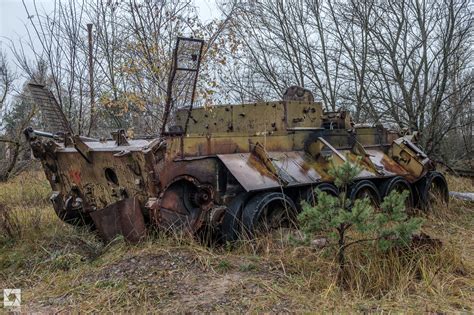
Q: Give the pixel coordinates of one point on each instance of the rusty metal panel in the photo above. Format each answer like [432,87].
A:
[410,157]
[129,171]
[294,164]
[248,171]
[252,119]
[375,135]
[208,120]
[203,170]
[53,116]
[303,114]
[220,144]
[121,218]
[259,119]
[111,146]
[252,174]
[385,163]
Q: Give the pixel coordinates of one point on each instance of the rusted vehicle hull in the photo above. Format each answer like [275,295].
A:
[228,169]
[235,166]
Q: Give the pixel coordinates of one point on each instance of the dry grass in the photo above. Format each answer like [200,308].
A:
[60,268]
[462,184]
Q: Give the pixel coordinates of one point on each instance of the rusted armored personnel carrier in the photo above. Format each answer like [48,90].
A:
[231,168]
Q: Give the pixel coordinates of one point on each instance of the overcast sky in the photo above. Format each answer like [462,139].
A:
[13,17]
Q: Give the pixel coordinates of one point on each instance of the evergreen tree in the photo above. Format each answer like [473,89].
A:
[385,227]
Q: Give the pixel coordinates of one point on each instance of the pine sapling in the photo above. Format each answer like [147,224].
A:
[386,226]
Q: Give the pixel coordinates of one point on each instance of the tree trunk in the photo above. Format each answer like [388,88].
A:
[11,165]
[341,259]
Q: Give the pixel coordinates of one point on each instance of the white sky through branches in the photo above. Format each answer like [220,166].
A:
[13,18]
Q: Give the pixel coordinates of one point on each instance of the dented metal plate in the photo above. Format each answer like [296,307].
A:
[121,218]
[295,168]
[252,174]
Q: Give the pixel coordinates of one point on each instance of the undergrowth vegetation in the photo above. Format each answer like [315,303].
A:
[351,223]
[61,268]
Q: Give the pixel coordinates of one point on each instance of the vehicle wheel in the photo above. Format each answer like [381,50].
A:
[310,195]
[181,206]
[432,189]
[267,211]
[231,228]
[399,184]
[365,189]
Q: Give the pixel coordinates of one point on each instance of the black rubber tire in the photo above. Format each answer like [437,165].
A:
[425,186]
[367,185]
[231,228]
[330,189]
[396,183]
[254,210]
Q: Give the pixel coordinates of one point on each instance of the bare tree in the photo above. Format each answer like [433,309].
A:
[61,49]
[133,42]
[7,77]
[13,142]
[16,117]
[287,43]
[406,62]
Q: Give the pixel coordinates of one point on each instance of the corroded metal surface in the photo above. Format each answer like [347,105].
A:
[189,177]
[49,107]
[292,169]
[183,182]
[121,218]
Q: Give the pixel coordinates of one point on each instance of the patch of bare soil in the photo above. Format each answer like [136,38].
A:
[180,280]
